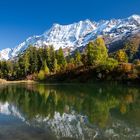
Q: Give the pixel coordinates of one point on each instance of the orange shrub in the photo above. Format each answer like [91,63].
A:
[126,67]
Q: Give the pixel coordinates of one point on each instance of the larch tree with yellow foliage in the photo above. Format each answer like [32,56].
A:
[121,56]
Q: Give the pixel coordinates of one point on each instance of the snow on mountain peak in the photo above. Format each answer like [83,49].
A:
[76,34]
[5,54]
[135,17]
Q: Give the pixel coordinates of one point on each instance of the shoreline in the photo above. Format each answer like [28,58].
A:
[2,81]
[124,82]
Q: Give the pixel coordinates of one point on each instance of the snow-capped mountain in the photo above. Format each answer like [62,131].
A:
[5,53]
[78,34]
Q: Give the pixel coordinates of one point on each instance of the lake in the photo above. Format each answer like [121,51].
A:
[69,112]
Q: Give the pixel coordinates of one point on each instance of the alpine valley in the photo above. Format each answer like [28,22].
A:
[75,36]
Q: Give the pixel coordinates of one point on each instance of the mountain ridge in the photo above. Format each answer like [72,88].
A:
[78,34]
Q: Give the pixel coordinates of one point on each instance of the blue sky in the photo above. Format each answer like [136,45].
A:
[20,19]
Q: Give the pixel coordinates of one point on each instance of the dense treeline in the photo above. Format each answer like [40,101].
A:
[38,63]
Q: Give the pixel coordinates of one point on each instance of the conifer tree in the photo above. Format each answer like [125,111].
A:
[47,56]
[78,58]
[4,69]
[41,75]
[55,66]
[45,68]
[26,62]
[33,59]
[52,59]
[61,59]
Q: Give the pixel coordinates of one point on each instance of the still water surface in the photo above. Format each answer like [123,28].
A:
[69,112]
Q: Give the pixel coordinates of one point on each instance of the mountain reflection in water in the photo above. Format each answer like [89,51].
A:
[81,112]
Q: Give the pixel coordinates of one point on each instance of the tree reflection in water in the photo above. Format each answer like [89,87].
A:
[76,111]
